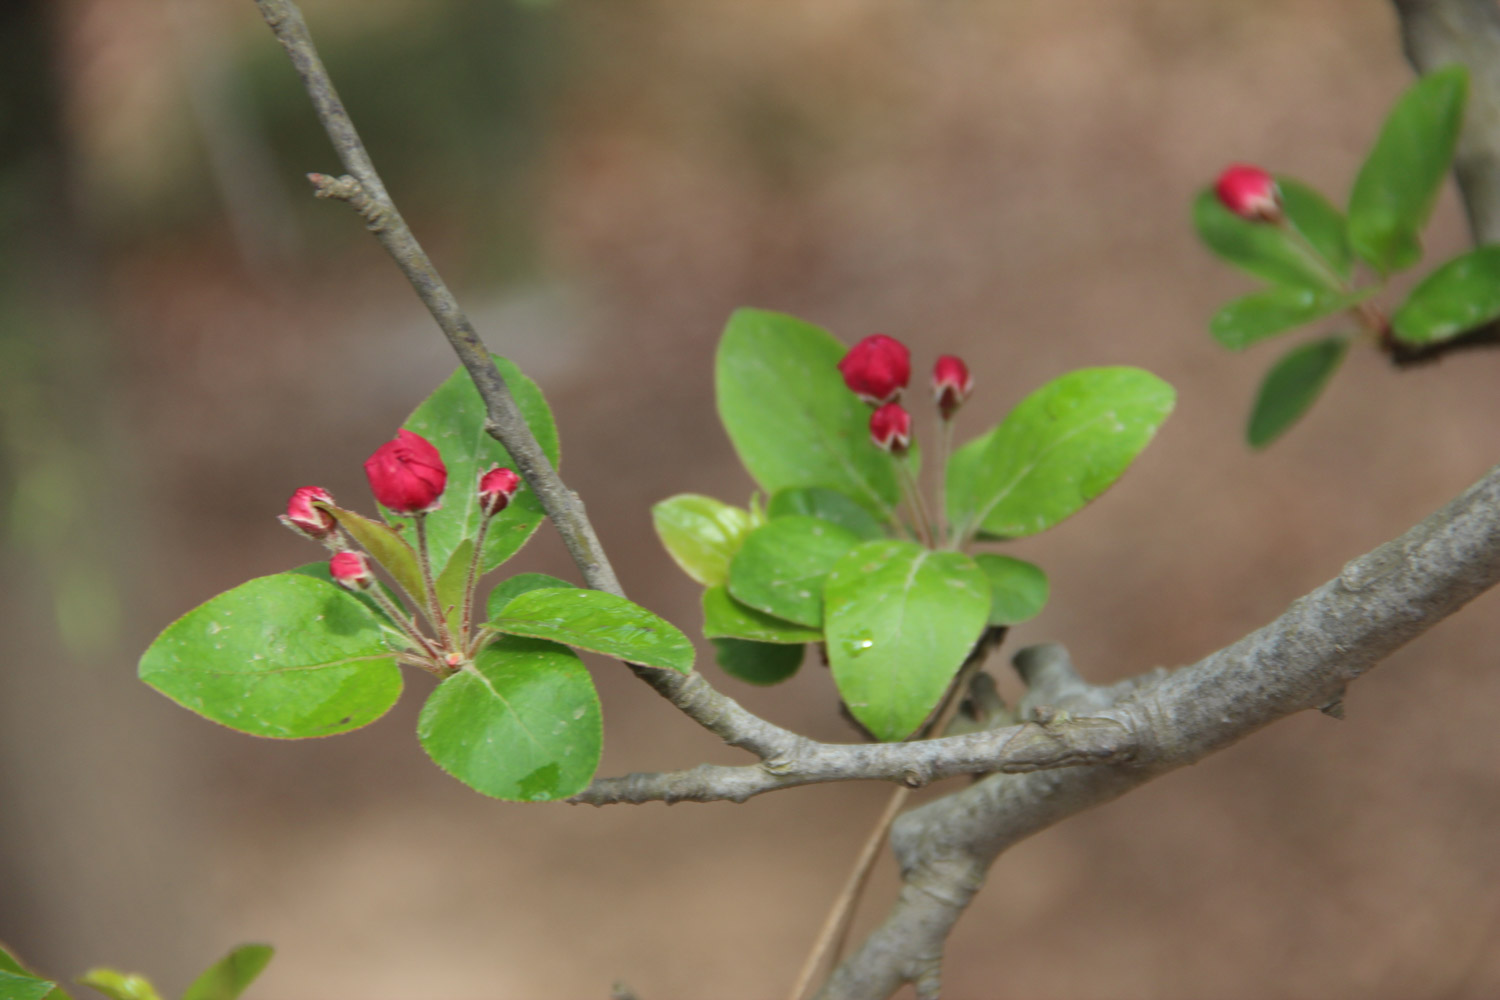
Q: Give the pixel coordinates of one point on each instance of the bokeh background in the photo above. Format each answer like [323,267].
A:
[186,336]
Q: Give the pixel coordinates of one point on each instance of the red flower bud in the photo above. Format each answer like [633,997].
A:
[951,384]
[302,517]
[890,428]
[1249,192]
[877,368]
[496,488]
[407,474]
[351,570]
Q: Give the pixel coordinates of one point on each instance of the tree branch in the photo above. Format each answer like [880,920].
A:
[1302,660]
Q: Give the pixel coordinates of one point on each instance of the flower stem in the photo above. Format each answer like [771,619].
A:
[945,452]
[467,619]
[435,608]
[914,498]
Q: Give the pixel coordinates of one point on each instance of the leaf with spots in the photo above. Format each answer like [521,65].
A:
[779,569]
[521,722]
[286,656]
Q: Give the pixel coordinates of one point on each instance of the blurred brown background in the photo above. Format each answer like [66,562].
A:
[186,336]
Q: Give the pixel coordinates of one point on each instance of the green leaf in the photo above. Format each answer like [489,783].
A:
[387,547]
[11,965]
[702,534]
[1291,386]
[1319,222]
[508,590]
[1459,296]
[450,583]
[1274,310]
[1263,249]
[319,571]
[759,663]
[781,566]
[827,505]
[1399,181]
[19,986]
[453,419]
[284,656]
[1058,449]
[726,618]
[120,985]
[599,623]
[789,415]
[521,722]
[1018,589]
[227,978]
[901,621]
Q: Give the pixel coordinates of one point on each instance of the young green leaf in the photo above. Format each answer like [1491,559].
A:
[1018,589]
[726,618]
[901,621]
[1274,310]
[1399,181]
[521,722]
[388,548]
[227,978]
[453,419]
[19,986]
[1459,296]
[283,656]
[599,623]
[1262,249]
[780,568]
[1291,386]
[120,985]
[450,582]
[509,589]
[791,419]
[759,663]
[1059,448]
[827,505]
[701,534]
[1320,224]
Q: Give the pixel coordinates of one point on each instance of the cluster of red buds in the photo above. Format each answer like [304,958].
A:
[877,370]
[1249,192]
[408,477]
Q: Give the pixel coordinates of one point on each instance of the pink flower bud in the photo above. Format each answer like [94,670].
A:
[302,517]
[890,428]
[496,488]
[351,570]
[951,384]
[877,368]
[407,474]
[1249,192]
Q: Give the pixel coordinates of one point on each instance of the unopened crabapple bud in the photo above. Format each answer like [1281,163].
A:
[496,489]
[890,428]
[877,368]
[305,518]
[407,474]
[1249,192]
[351,569]
[951,384]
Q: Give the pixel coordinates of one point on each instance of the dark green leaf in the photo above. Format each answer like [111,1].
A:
[759,663]
[120,985]
[781,566]
[1018,589]
[284,656]
[598,622]
[1459,296]
[726,618]
[387,547]
[1059,448]
[19,986]
[1291,386]
[1398,184]
[453,419]
[790,416]
[1274,310]
[227,978]
[901,621]
[1261,248]
[508,590]
[1319,222]
[521,722]
[827,505]
[702,534]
